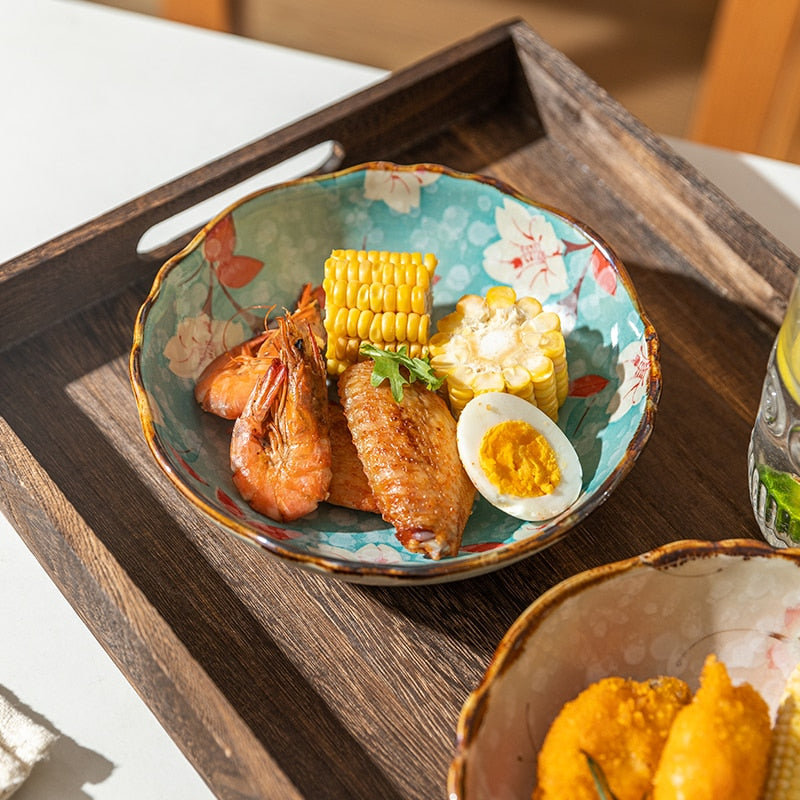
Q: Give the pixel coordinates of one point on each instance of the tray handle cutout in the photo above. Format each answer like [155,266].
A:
[171,234]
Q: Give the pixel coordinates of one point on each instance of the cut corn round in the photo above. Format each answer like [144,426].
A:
[501,343]
[379,297]
[783,769]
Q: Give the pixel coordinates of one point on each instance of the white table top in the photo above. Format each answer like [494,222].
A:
[113,104]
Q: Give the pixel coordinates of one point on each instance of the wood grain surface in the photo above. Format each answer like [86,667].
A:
[281,683]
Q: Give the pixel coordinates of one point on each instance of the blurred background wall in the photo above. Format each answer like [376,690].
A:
[648,54]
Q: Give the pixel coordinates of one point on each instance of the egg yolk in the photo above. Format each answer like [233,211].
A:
[519,460]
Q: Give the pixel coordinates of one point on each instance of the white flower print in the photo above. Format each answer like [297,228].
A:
[633,370]
[399,189]
[367,554]
[528,254]
[197,341]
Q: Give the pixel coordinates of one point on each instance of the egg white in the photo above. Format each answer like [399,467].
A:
[489,409]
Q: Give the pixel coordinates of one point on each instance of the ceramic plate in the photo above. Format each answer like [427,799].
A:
[259,251]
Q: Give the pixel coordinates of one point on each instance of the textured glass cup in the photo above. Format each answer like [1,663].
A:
[774,452]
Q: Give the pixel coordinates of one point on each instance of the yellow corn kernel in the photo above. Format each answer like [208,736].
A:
[375,330]
[547,321]
[352,322]
[472,306]
[387,326]
[404,298]
[446,325]
[338,295]
[783,770]
[531,306]
[351,294]
[340,322]
[363,296]
[418,300]
[501,343]
[401,326]
[424,328]
[488,382]
[501,297]
[413,327]
[364,323]
[376,297]
[518,381]
[390,298]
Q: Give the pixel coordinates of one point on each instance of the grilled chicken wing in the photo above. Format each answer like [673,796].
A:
[349,486]
[408,451]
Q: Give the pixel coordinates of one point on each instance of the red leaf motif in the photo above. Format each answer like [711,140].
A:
[603,272]
[220,240]
[229,504]
[237,271]
[276,533]
[187,466]
[587,385]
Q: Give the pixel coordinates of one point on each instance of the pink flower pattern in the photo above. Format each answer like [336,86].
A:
[196,342]
[633,370]
[400,190]
[528,255]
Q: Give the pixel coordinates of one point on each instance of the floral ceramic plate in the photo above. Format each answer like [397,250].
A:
[259,251]
[661,613]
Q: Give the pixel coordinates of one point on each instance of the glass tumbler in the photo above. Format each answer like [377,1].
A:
[774,453]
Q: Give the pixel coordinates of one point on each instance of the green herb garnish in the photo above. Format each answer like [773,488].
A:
[598,776]
[387,367]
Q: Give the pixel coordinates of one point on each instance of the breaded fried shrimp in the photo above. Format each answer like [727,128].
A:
[622,724]
[719,745]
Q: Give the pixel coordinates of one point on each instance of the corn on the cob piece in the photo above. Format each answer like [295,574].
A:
[501,343]
[783,771]
[379,297]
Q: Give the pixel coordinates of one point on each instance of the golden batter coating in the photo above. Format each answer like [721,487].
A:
[719,745]
[623,725]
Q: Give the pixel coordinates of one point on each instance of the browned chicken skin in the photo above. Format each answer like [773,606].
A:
[349,486]
[409,454]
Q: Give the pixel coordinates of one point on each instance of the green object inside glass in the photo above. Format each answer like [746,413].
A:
[784,488]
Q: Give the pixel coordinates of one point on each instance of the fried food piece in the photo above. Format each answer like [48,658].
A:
[623,725]
[719,745]
[408,450]
[349,486]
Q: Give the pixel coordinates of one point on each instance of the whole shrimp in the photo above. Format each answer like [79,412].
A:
[227,382]
[280,448]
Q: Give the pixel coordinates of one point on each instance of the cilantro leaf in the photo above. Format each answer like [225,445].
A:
[387,367]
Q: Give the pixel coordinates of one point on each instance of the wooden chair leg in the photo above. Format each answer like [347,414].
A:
[749,95]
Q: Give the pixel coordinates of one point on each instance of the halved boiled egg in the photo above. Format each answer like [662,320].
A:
[517,457]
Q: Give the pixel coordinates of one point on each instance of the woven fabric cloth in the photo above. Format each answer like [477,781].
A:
[23,743]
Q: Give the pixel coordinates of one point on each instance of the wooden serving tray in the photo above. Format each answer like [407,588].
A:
[281,683]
